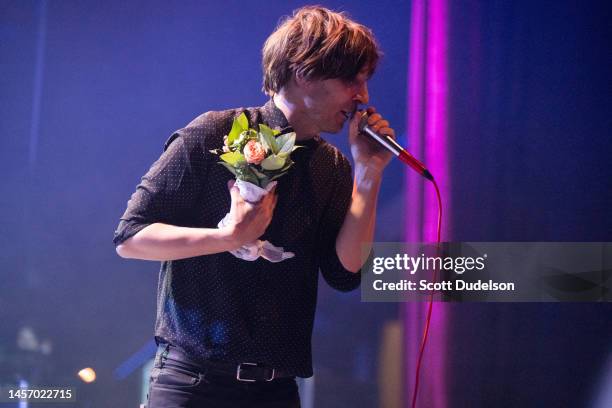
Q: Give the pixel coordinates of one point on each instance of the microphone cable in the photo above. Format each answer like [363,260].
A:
[430,302]
[391,144]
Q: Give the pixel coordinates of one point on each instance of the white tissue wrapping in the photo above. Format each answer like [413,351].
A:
[252,251]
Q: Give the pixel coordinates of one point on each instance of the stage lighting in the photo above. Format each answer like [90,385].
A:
[88,375]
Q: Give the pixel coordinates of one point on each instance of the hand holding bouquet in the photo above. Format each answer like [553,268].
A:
[257,159]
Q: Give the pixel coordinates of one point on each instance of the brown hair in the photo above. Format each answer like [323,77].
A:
[317,43]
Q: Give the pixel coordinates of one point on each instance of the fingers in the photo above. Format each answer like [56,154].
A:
[230,186]
[270,199]
[358,116]
[387,131]
[264,210]
[378,124]
[234,191]
[273,203]
[382,128]
[250,220]
[374,118]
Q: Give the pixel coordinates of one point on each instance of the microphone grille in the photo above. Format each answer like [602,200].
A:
[363,121]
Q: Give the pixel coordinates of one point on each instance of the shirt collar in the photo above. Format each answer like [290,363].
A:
[275,118]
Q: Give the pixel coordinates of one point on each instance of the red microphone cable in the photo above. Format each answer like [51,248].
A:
[430,303]
[390,144]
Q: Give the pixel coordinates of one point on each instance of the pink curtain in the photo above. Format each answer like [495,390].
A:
[427,140]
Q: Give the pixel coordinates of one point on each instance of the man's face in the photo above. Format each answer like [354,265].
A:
[328,103]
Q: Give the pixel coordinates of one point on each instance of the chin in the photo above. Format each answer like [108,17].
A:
[333,130]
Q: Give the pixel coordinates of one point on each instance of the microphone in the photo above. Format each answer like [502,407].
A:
[391,145]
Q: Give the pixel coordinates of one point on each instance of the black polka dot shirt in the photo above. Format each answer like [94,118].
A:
[218,307]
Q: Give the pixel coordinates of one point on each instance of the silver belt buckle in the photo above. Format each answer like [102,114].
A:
[239,378]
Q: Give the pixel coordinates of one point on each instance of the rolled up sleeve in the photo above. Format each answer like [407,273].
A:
[169,189]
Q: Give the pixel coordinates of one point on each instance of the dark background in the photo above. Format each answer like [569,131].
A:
[90,91]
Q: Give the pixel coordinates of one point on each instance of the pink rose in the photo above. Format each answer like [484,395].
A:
[254,152]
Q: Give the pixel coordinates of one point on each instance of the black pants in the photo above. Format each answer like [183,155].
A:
[177,381]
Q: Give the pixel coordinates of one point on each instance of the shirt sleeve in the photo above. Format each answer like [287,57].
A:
[168,191]
[332,269]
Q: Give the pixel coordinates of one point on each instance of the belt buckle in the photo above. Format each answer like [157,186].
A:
[239,378]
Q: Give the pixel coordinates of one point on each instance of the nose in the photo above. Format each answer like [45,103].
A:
[361,94]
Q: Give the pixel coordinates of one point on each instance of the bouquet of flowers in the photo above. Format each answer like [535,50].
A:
[257,159]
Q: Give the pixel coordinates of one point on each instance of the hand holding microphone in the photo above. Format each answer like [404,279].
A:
[372,125]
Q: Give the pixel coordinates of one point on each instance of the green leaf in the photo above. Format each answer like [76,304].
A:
[239,125]
[234,133]
[273,162]
[246,173]
[233,158]
[277,176]
[287,166]
[268,139]
[258,173]
[237,140]
[285,142]
[243,121]
[264,143]
[265,130]
[229,167]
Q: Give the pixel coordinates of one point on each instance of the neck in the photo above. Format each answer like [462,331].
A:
[291,108]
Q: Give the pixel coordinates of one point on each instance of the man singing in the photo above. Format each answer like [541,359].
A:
[234,333]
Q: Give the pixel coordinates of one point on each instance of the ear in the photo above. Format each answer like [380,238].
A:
[300,80]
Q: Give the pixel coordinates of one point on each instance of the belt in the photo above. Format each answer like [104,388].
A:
[246,372]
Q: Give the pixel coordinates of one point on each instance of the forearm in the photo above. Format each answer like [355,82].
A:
[358,227]
[163,242]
